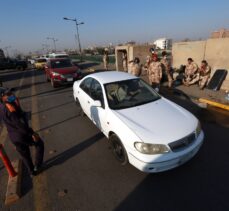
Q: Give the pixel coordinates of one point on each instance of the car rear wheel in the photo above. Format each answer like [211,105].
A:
[20,68]
[118,149]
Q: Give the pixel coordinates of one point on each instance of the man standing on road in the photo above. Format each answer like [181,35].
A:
[155,72]
[21,135]
[191,73]
[166,68]
[106,59]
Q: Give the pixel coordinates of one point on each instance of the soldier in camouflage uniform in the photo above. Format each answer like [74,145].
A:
[191,73]
[124,61]
[155,72]
[166,68]
[135,67]
[106,59]
[204,74]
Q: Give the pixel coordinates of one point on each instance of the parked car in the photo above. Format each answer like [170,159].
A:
[145,129]
[61,72]
[7,63]
[40,63]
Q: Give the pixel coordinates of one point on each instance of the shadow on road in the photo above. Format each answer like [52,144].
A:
[50,92]
[57,123]
[53,107]
[27,86]
[68,154]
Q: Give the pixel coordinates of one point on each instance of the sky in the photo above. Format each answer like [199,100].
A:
[25,24]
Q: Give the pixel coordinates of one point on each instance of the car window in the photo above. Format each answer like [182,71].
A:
[97,92]
[86,85]
[61,63]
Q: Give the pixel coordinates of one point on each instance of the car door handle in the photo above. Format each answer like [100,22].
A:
[88,102]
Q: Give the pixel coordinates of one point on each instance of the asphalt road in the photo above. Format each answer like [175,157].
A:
[82,173]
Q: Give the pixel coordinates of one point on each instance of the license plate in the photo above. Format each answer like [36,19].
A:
[69,79]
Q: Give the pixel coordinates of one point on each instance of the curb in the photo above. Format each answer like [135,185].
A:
[13,192]
[215,104]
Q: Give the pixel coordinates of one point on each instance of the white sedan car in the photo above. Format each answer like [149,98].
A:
[145,129]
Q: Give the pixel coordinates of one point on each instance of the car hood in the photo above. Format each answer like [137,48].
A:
[66,70]
[158,122]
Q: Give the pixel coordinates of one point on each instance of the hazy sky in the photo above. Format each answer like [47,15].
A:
[25,24]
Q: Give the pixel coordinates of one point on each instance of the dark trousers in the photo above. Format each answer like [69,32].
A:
[24,151]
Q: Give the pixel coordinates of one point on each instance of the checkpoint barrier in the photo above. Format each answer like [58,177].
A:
[6,162]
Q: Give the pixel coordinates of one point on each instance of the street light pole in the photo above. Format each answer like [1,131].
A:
[54,41]
[77,30]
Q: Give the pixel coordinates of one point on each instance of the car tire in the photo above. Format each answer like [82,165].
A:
[53,84]
[19,68]
[118,150]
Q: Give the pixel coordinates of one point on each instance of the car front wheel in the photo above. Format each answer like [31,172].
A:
[118,149]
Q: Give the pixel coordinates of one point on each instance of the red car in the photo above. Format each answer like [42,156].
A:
[61,72]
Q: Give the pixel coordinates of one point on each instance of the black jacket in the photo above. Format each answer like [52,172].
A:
[16,124]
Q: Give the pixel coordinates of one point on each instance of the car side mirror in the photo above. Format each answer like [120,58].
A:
[97,103]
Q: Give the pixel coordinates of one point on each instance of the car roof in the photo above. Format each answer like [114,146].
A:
[111,76]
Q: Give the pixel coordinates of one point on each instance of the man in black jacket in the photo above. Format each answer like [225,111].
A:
[21,135]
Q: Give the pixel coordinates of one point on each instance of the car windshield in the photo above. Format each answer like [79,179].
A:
[129,93]
[61,63]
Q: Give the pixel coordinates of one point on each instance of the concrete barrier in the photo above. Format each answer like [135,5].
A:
[215,51]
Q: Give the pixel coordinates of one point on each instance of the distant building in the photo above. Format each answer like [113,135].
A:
[222,33]
[163,43]
[2,55]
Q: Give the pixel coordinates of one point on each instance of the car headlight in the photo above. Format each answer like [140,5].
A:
[198,129]
[55,74]
[151,149]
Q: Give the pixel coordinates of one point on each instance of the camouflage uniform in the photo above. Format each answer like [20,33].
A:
[135,69]
[124,62]
[204,75]
[166,68]
[155,72]
[105,61]
[191,74]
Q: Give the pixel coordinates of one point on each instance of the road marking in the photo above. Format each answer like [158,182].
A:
[40,185]
[4,133]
